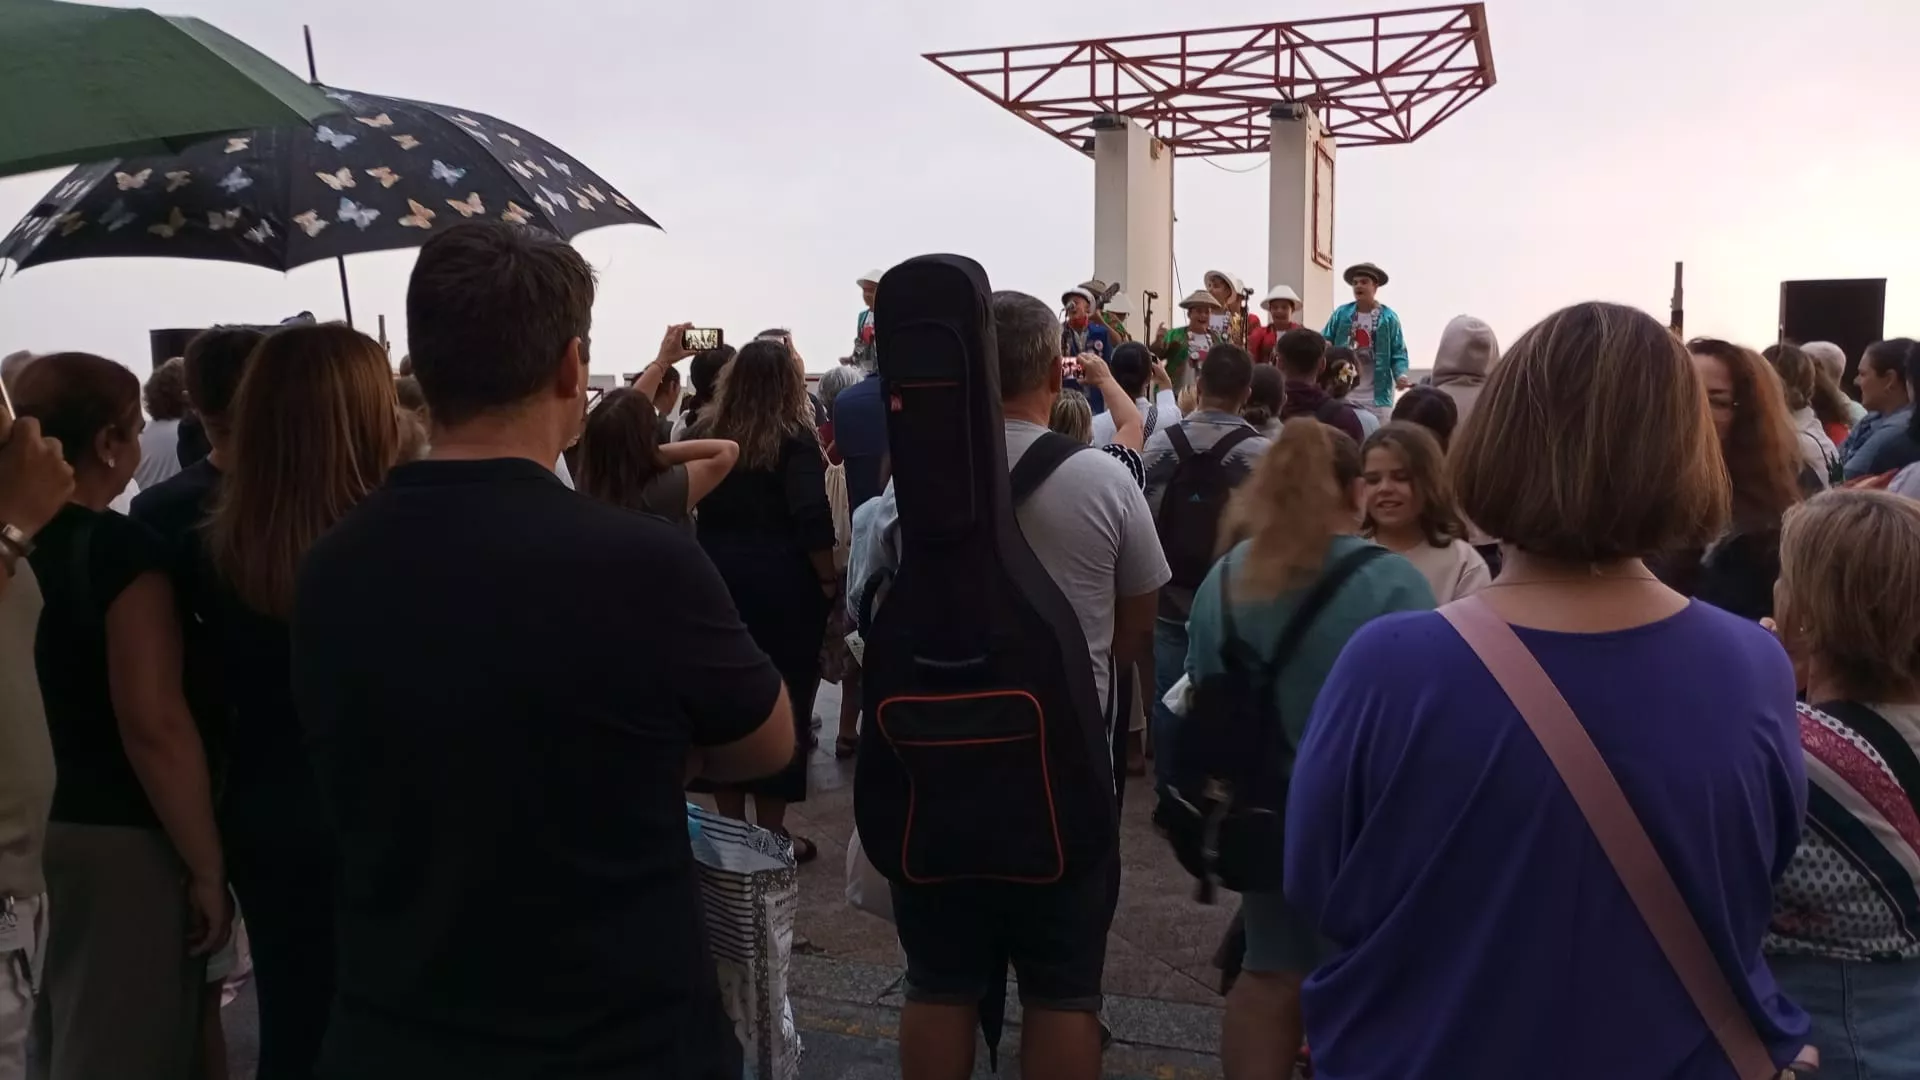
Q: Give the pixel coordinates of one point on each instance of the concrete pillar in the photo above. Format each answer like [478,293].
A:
[1300,212]
[1133,218]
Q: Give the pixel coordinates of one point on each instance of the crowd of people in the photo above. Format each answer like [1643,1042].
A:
[358,658]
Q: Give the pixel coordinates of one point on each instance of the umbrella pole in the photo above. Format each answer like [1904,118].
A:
[340,261]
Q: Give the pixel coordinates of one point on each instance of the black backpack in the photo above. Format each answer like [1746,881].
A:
[1196,496]
[1224,809]
[985,756]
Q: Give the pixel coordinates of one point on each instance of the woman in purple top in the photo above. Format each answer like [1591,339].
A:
[1477,928]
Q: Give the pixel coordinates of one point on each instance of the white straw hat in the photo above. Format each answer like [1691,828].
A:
[1282,292]
[871,277]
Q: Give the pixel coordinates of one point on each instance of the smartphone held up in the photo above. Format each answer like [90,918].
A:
[701,339]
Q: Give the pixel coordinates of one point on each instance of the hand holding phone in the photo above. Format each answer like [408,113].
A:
[35,480]
[1070,367]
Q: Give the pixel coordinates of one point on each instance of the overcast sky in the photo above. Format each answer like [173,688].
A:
[788,146]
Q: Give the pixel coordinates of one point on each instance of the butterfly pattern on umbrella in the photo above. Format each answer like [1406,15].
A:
[384,173]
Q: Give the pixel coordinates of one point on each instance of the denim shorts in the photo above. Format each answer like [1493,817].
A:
[1864,1014]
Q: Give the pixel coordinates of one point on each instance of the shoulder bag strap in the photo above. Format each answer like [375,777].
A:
[1617,827]
[1886,742]
[1047,453]
[1153,419]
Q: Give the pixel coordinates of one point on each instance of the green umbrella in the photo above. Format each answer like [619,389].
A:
[85,83]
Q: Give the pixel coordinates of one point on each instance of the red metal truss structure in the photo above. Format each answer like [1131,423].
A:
[1374,79]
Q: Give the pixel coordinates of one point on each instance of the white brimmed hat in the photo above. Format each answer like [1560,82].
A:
[1085,294]
[1281,292]
[871,277]
[1118,305]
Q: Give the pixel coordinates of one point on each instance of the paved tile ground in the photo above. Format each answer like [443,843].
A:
[1162,1003]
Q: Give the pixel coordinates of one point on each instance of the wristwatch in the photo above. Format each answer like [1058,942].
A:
[16,541]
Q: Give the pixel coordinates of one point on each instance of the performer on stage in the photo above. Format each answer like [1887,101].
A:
[1372,331]
[1283,307]
[1080,332]
[1227,291]
[1185,347]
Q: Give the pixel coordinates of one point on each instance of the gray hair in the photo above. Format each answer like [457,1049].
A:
[1829,356]
[1028,334]
[833,382]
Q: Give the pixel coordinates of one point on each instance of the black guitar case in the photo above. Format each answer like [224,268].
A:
[985,754]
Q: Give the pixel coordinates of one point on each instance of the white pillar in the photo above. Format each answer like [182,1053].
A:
[1133,218]
[1300,211]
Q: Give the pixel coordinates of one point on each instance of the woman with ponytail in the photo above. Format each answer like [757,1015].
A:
[1295,518]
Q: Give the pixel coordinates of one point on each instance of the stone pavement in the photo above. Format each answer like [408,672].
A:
[1161,999]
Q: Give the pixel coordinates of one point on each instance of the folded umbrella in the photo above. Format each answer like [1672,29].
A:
[81,83]
[382,173]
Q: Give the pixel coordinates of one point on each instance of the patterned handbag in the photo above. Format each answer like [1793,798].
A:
[749,892]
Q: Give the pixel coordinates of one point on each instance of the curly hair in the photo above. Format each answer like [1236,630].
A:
[760,403]
[1298,498]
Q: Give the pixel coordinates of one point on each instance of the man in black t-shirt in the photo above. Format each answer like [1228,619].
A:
[503,706]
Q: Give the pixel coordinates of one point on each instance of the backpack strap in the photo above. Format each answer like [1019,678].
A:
[1303,617]
[1885,741]
[1231,439]
[1618,829]
[1153,419]
[1182,446]
[1050,451]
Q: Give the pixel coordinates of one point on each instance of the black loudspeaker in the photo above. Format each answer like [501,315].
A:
[167,344]
[1850,312]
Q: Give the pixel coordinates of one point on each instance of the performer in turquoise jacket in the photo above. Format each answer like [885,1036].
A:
[1372,331]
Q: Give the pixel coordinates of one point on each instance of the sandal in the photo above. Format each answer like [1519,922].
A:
[845,747]
[804,850]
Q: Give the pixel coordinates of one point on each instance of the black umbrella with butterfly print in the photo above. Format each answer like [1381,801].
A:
[383,173]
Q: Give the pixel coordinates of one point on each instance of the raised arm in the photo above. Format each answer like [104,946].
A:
[34,484]
[647,383]
[708,462]
[1129,427]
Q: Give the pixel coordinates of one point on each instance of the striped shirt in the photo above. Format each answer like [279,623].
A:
[1852,891]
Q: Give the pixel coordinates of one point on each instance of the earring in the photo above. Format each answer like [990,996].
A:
[110,464]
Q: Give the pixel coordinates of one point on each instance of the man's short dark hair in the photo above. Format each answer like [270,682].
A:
[491,309]
[1302,352]
[1226,374]
[213,364]
[1028,335]
[1132,368]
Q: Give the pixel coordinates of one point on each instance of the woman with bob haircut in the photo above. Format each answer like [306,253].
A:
[1842,941]
[1476,926]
